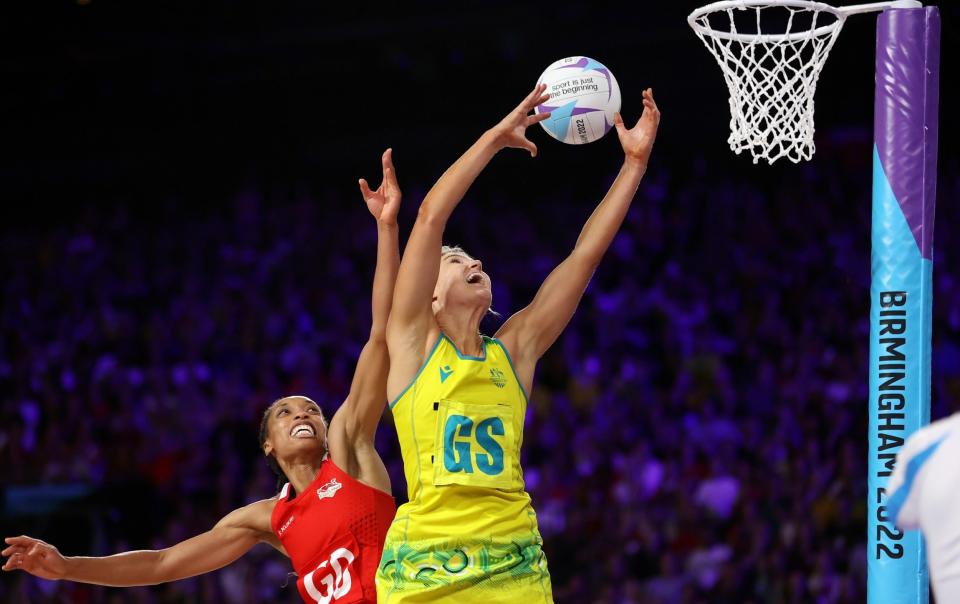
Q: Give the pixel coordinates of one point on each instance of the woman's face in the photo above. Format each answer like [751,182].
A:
[461,283]
[296,426]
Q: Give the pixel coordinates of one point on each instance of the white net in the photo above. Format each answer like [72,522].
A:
[771,75]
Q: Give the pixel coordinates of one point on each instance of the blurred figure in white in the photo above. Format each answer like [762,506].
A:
[924,493]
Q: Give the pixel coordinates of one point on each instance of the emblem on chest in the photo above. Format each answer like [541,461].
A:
[498,378]
[330,489]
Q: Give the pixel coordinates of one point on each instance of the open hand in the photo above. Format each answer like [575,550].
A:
[637,142]
[512,130]
[35,557]
[384,203]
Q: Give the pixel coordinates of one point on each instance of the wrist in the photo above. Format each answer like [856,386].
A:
[635,164]
[69,568]
[387,223]
[492,139]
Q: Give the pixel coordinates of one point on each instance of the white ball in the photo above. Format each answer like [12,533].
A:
[584,95]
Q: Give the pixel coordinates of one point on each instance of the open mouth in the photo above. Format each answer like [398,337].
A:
[303,431]
[474,278]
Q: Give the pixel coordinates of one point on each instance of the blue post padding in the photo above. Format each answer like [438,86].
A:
[900,315]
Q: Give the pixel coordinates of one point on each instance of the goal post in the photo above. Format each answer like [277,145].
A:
[901,292]
[771,53]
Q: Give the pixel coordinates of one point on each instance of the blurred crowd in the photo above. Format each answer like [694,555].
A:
[697,435]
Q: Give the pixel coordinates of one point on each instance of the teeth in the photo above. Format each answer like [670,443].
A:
[474,278]
[302,429]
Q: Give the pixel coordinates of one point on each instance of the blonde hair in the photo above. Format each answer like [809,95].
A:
[446,250]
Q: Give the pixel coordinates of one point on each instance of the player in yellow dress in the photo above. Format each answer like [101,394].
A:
[469,532]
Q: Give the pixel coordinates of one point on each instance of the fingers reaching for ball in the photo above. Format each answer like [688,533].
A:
[649,104]
[638,141]
[384,202]
[522,142]
[365,189]
[390,185]
[538,96]
[590,123]
[618,123]
[537,118]
[511,131]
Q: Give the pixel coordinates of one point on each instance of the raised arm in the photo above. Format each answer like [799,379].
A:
[232,537]
[411,318]
[384,204]
[531,331]
[354,425]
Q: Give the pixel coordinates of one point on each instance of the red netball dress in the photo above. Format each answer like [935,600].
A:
[334,533]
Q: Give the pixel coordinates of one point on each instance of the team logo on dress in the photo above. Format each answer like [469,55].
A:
[333,578]
[285,526]
[498,379]
[445,372]
[330,489]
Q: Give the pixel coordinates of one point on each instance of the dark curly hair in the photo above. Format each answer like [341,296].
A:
[271,460]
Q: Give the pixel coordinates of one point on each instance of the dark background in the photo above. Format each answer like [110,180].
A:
[112,101]
[204,125]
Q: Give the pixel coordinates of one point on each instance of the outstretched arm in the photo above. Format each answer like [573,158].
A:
[354,425]
[384,204]
[411,318]
[531,331]
[232,537]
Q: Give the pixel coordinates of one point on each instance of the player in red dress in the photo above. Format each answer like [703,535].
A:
[332,514]
[333,528]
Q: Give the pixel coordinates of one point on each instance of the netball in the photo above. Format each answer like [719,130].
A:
[584,96]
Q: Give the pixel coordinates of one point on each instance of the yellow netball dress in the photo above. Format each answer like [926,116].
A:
[468,531]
